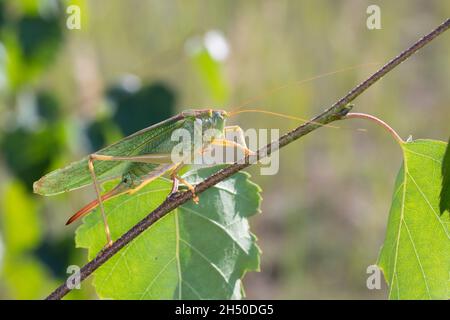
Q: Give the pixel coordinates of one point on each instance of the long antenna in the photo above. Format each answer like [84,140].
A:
[300,82]
[281,115]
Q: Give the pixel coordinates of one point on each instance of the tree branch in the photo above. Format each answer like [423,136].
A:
[337,111]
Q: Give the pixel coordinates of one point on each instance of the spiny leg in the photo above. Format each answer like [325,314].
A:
[152,158]
[173,177]
[175,185]
[156,158]
[240,134]
[100,201]
[190,187]
[229,143]
[176,178]
[240,139]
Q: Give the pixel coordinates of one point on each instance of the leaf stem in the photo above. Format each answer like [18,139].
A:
[356,115]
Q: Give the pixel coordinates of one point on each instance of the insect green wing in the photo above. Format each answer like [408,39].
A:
[76,175]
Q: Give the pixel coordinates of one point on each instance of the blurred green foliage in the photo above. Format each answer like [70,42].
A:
[31,40]
[25,276]
[211,73]
[31,139]
[65,93]
[36,152]
[146,106]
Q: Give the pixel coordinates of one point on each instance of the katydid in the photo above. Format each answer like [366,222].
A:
[139,159]
[145,156]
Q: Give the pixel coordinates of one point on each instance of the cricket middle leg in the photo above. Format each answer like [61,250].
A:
[190,187]
[176,178]
[173,177]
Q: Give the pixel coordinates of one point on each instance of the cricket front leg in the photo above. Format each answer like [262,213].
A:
[239,134]
[100,201]
[239,143]
[233,144]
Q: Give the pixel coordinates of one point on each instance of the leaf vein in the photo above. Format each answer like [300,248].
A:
[227,232]
[417,257]
[215,268]
[156,277]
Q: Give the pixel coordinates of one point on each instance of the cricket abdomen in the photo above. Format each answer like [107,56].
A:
[134,173]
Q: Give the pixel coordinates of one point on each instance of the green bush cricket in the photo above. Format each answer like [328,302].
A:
[139,159]
[145,156]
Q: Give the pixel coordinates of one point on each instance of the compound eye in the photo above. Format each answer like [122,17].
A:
[126,179]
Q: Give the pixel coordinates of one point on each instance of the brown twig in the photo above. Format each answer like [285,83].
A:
[337,111]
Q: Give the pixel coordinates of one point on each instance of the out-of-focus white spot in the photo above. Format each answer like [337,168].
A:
[214,42]
[217,45]
[27,115]
[130,82]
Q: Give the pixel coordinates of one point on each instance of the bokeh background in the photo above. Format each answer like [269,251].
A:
[65,93]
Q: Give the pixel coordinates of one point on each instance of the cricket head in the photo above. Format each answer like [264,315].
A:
[209,118]
[218,118]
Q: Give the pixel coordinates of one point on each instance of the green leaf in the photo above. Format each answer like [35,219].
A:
[195,252]
[20,220]
[415,257]
[211,74]
[25,277]
[21,273]
[444,203]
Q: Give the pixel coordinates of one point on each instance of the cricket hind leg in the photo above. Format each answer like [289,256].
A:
[156,158]
[100,201]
